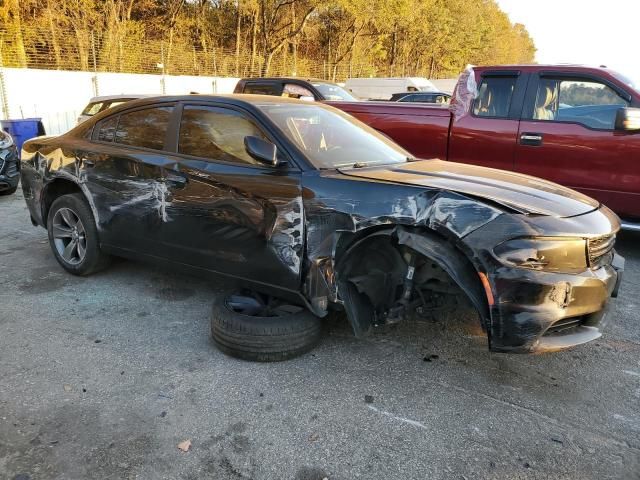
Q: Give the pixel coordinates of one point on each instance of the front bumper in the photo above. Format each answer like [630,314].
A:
[542,312]
[9,168]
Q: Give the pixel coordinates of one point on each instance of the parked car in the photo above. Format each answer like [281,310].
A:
[432,97]
[574,125]
[9,165]
[293,87]
[301,200]
[384,88]
[100,104]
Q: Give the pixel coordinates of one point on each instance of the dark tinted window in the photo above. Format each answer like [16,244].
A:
[106,129]
[144,128]
[216,133]
[494,97]
[263,89]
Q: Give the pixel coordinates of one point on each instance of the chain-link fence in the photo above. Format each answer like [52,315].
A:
[52,49]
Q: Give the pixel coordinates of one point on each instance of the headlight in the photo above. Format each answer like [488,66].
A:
[566,255]
[5,140]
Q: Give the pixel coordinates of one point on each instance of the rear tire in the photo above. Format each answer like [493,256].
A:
[73,235]
[262,338]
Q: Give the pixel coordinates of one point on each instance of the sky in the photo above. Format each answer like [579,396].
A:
[593,32]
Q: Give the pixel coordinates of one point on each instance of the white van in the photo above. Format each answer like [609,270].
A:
[383,88]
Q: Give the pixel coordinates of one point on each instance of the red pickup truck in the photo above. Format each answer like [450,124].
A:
[574,125]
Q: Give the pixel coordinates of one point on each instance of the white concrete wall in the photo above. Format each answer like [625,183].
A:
[58,96]
[446,85]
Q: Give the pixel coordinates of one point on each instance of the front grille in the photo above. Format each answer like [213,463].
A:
[1,166]
[12,169]
[564,324]
[600,250]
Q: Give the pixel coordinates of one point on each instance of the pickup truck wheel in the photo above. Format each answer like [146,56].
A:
[263,329]
[73,235]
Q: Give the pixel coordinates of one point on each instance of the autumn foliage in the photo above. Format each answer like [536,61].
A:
[332,39]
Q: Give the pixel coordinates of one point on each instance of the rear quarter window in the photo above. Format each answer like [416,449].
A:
[106,129]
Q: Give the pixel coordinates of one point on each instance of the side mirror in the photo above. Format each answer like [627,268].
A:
[628,119]
[262,150]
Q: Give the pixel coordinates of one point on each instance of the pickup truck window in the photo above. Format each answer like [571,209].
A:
[587,102]
[334,92]
[262,89]
[494,97]
[296,91]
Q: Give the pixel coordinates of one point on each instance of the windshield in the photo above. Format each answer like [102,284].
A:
[633,83]
[331,91]
[331,139]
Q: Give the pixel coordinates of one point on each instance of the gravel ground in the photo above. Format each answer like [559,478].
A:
[102,378]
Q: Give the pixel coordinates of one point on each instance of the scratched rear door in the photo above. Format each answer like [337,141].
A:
[124,171]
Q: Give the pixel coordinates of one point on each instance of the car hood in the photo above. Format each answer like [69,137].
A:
[517,191]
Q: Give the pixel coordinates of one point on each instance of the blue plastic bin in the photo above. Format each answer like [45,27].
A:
[22,130]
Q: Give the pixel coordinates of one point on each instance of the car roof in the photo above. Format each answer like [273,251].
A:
[104,98]
[238,99]
[287,79]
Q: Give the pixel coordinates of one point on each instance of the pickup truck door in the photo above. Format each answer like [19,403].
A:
[567,136]
[230,213]
[487,134]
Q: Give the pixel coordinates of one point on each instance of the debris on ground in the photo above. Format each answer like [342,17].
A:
[185,445]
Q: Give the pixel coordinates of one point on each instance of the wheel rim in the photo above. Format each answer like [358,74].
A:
[69,236]
[256,305]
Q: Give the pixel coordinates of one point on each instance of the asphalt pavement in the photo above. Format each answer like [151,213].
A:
[103,377]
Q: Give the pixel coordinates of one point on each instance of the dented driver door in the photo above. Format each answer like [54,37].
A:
[229,213]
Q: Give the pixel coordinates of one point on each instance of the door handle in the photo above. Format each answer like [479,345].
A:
[531,139]
[176,180]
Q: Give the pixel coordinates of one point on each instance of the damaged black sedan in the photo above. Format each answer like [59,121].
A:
[304,202]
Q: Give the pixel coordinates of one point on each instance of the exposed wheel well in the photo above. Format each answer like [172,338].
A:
[53,190]
[382,255]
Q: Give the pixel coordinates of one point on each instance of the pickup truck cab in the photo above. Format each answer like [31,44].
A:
[293,87]
[575,125]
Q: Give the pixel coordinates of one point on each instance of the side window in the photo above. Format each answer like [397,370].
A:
[106,129]
[216,134]
[144,128]
[296,91]
[92,108]
[494,97]
[262,89]
[591,103]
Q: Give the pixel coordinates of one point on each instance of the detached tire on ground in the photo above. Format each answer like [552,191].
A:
[249,327]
